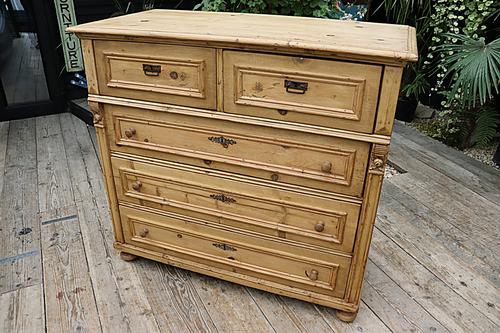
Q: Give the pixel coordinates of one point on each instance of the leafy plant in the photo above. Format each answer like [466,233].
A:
[484,127]
[417,86]
[476,67]
[315,8]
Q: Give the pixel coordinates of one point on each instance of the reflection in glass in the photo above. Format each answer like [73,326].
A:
[21,67]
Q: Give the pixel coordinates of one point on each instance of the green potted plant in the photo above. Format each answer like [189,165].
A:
[414,85]
[473,67]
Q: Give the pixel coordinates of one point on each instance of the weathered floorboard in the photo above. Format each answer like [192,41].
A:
[19,228]
[21,310]
[54,184]
[69,296]
[119,295]
[449,308]
[175,302]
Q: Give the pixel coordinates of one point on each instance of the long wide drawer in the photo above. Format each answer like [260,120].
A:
[171,74]
[305,90]
[305,159]
[188,238]
[236,201]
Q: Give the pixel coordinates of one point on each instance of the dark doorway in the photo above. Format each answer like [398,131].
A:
[30,84]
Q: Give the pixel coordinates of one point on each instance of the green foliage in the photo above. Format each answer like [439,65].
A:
[485,127]
[315,8]
[417,86]
[415,13]
[475,67]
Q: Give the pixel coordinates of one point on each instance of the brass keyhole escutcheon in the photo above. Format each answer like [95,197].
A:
[313,274]
[137,185]
[174,75]
[144,232]
[130,132]
[275,177]
[326,166]
[320,226]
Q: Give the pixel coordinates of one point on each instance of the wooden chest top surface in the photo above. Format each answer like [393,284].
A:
[394,43]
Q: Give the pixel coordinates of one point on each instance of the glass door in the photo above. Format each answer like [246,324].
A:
[28,59]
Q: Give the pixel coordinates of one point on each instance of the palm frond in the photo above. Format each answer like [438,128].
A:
[476,66]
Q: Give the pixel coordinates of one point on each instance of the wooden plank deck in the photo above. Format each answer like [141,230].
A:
[433,265]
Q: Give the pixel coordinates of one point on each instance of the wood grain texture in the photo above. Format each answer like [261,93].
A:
[54,186]
[340,38]
[175,302]
[69,295]
[427,288]
[118,291]
[186,75]
[19,229]
[337,94]
[388,99]
[22,311]
[283,156]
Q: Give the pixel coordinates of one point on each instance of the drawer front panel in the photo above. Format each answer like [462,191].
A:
[163,73]
[188,238]
[237,202]
[285,156]
[311,91]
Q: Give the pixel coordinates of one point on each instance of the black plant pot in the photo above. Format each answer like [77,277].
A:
[405,109]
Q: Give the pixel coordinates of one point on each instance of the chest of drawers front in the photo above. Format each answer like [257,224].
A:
[258,165]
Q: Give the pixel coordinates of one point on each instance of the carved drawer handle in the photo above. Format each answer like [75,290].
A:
[151,70]
[320,226]
[326,166]
[130,132]
[225,142]
[223,198]
[137,185]
[296,87]
[144,232]
[313,274]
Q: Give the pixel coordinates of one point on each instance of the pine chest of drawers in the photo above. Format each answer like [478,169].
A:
[247,147]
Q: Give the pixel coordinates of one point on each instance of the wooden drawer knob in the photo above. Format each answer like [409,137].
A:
[313,274]
[326,166]
[130,132]
[137,185]
[275,177]
[144,232]
[320,226]
[174,75]
[282,112]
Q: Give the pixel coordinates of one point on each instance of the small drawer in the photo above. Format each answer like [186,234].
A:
[189,239]
[179,75]
[304,90]
[285,156]
[236,201]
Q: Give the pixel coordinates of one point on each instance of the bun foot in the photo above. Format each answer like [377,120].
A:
[127,256]
[346,316]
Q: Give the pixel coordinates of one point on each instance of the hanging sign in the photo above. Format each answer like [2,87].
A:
[66,17]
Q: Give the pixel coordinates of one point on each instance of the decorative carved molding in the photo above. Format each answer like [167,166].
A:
[97,113]
[378,158]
